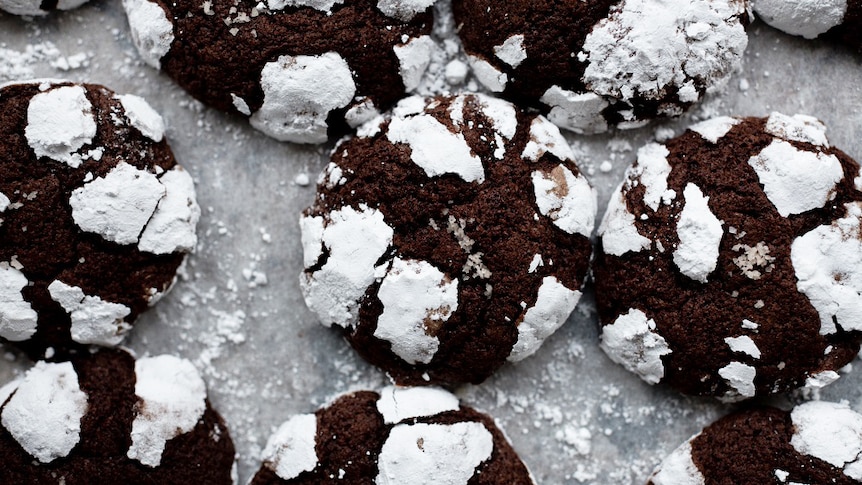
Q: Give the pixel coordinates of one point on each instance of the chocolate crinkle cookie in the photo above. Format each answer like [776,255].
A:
[95,215]
[730,259]
[837,19]
[817,442]
[602,63]
[107,418]
[35,8]
[448,237]
[296,68]
[400,436]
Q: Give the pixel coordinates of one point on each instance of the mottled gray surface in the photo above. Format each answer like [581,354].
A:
[573,415]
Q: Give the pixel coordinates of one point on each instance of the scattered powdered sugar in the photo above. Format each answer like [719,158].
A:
[151,30]
[633,342]
[699,234]
[18,320]
[678,468]
[291,450]
[60,122]
[143,117]
[554,304]
[740,378]
[831,432]
[413,59]
[808,18]
[568,200]
[94,321]
[714,129]
[397,404]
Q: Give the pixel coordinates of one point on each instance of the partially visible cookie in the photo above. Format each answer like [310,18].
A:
[817,442]
[603,63]
[730,259]
[95,215]
[448,238]
[841,19]
[401,436]
[297,69]
[107,418]
[38,7]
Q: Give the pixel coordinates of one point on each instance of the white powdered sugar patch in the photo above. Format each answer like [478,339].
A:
[545,137]
[831,432]
[152,31]
[699,234]
[554,304]
[18,320]
[714,129]
[828,266]
[299,92]
[417,300]
[743,344]
[794,180]
[118,205]
[322,5]
[512,50]
[399,403]
[567,199]
[403,10]
[577,112]
[59,123]
[143,117]
[678,468]
[821,379]
[502,114]
[493,79]
[172,226]
[362,111]
[740,378]
[433,454]
[240,104]
[290,451]
[413,59]
[44,415]
[652,170]
[618,229]
[171,398]
[802,128]
[434,148]
[645,48]
[808,18]
[633,342]
[355,240]
[33,7]
[94,321]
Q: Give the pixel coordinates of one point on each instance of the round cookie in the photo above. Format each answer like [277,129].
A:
[96,215]
[817,442]
[409,436]
[603,63]
[840,19]
[106,418]
[296,68]
[38,7]
[448,237]
[729,259]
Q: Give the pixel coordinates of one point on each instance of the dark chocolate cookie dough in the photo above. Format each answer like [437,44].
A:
[730,259]
[108,419]
[96,215]
[295,67]
[835,19]
[448,237]
[817,442]
[600,63]
[401,436]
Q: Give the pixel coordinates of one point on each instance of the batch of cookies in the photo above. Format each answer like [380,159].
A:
[449,235]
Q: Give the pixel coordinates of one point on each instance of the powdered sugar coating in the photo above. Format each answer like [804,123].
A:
[299,92]
[94,321]
[740,378]
[831,432]
[678,468]
[828,265]
[417,300]
[355,241]
[34,7]
[743,344]
[567,199]
[700,235]
[652,170]
[322,5]
[554,304]
[59,123]
[633,342]
[172,399]
[714,129]
[291,450]
[17,317]
[577,112]
[433,454]
[545,137]
[172,226]
[512,50]
[403,10]
[397,404]
[44,415]
[808,18]
[491,77]
[801,128]
[151,29]
[618,230]
[142,116]
[413,59]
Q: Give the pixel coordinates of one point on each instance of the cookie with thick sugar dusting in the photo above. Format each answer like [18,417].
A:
[96,215]
[409,436]
[108,418]
[448,237]
[835,19]
[729,259]
[594,65]
[815,442]
[297,69]
[38,8]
